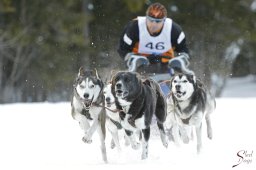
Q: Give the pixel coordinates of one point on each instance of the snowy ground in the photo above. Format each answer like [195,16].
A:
[43,136]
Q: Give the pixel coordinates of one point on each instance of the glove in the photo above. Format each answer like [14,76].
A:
[134,61]
[184,57]
[180,63]
[153,58]
[128,58]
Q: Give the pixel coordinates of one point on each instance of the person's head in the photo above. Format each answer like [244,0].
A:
[156,15]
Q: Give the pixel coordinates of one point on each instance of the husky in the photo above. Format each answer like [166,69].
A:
[87,107]
[138,100]
[113,122]
[187,104]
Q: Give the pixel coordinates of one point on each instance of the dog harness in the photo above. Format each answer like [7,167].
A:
[86,109]
[185,121]
[86,113]
[118,125]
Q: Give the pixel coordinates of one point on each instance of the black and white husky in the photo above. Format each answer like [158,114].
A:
[87,107]
[188,103]
[138,101]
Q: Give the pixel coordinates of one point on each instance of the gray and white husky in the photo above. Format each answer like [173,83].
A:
[87,106]
[188,103]
[113,121]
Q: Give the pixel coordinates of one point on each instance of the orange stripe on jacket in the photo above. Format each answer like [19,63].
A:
[169,53]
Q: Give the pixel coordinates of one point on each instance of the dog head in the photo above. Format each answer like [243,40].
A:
[109,97]
[126,85]
[183,86]
[88,86]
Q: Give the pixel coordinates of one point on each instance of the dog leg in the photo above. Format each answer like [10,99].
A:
[145,138]
[162,134]
[116,140]
[185,133]
[199,137]
[112,144]
[176,134]
[103,146]
[169,134]
[114,132]
[88,135]
[191,133]
[84,125]
[126,139]
[135,145]
[209,126]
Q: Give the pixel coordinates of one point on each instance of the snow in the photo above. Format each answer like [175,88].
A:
[43,136]
[241,87]
[253,6]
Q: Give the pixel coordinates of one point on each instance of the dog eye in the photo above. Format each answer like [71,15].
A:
[82,87]
[116,79]
[185,81]
[92,86]
[175,81]
[127,80]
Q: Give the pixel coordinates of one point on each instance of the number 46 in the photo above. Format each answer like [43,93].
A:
[158,46]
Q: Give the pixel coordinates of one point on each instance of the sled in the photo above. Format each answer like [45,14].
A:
[140,64]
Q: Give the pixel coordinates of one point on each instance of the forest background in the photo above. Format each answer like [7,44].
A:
[43,43]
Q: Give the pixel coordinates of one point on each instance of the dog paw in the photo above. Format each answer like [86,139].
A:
[127,143]
[112,144]
[199,148]
[144,156]
[209,134]
[185,140]
[165,143]
[135,145]
[169,135]
[86,140]
[164,139]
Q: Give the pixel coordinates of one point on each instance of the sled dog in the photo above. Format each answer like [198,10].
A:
[187,104]
[113,121]
[87,107]
[138,100]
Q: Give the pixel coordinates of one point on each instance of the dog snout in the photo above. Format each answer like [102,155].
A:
[86,95]
[177,87]
[108,99]
[118,85]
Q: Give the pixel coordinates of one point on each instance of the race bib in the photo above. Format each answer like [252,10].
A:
[154,44]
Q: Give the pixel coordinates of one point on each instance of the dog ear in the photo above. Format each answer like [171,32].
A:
[139,76]
[81,71]
[112,81]
[101,83]
[113,73]
[96,73]
[192,77]
[113,77]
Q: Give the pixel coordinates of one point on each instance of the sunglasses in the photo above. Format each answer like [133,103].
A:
[156,20]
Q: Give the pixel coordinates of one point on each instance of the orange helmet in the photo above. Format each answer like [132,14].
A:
[156,10]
